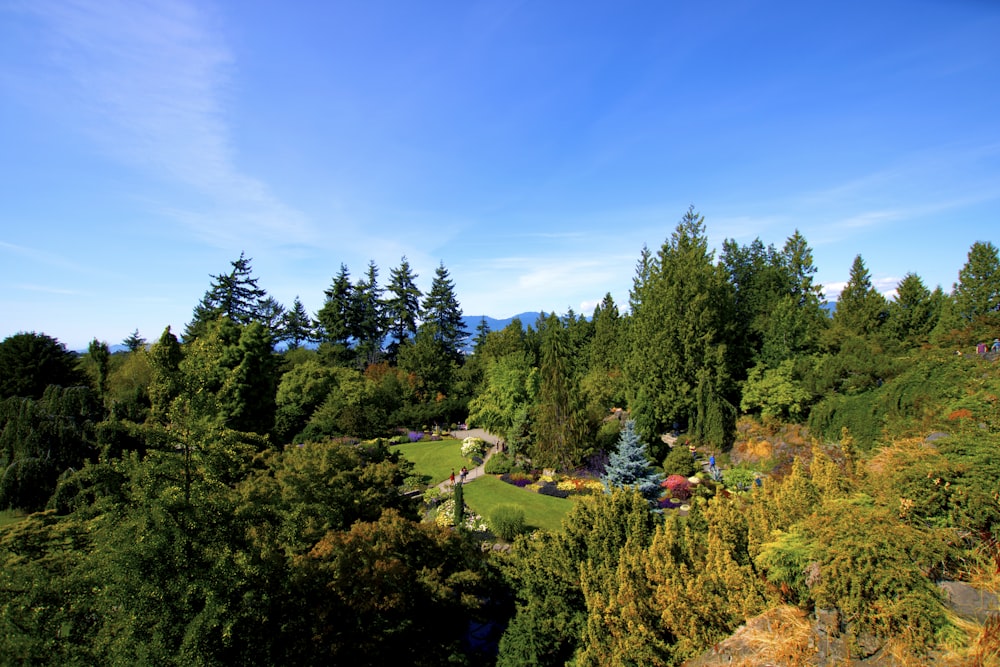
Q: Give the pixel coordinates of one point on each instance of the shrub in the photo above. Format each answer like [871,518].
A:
[679,462]
[507,522]
[474,447]
[678,487]
[518,479]
[499,464]
[415,436]
[552,489]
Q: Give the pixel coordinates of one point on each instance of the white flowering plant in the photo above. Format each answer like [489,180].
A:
[473,447]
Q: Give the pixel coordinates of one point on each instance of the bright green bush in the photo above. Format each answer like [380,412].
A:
[507,522]
[498,464]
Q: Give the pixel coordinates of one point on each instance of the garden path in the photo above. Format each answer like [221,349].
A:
[479,470]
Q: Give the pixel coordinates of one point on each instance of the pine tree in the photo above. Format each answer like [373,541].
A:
[402,306]
[134,342]
[861,310]
[482,331]
[296,326]
[977,292]
[367,324]
[912,314]
[560,424]
[441,308]
[681,321]
[334,317]
[629,467]
[234,295]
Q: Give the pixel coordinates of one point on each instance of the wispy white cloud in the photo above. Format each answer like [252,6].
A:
[50,290]
[149,81]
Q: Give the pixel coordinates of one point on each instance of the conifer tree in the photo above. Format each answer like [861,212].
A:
[861,310]
[913,313]
[367,323]
[402,306]
[977,291]
[334,317]
[681,322]
[235,295]
[442,309]
[296,326]
[629,467]
[560,424]
[134,342]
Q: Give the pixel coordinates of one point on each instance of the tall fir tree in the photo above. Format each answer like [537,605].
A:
[334,318]
[913,313]
[367,324]
[402,306]
[296,326]
[680,322]
[977,291]
[235,295]
[134,342]
[560,422]
[442,309]
[861,310]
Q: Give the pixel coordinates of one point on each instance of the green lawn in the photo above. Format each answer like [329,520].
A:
[8,517]
[540,511]
[434,460]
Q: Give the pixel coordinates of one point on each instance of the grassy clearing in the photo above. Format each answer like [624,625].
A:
[8,517]
[540,511]
[434,460]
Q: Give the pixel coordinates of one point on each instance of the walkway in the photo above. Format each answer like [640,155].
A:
[479,470]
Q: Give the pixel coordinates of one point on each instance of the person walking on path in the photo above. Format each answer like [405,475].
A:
[452,478]
[465,473]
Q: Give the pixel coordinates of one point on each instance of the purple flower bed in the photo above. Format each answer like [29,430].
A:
[517,479]
[415,436]
[669,504]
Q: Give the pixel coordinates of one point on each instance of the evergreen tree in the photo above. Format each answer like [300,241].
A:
[912,314]
[861,310]
[442,309]
[271,313]
[977,291]
[296,326]
[30,362]
[367,323]
[335,316]
[402,306]
[100,354]
[235,295]
[629,467]
[135,342]
[482,331]
[560,424]
[166,383]
[681,321]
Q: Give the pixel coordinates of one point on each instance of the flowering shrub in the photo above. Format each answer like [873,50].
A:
[679,487]
[669,504]
[568,485]
[473,447]
[445,518]
[415,436]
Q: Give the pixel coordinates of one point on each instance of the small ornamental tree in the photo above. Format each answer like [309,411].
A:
[459,505]
[629,467]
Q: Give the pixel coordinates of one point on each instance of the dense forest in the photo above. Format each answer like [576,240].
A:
[230,495]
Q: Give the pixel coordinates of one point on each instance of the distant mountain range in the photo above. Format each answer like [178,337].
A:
[472,321]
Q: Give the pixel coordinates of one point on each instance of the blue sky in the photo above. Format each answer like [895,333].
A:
[532,147]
